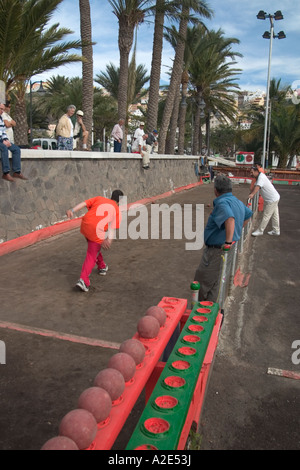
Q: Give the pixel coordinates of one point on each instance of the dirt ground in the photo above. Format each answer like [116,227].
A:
[43,377]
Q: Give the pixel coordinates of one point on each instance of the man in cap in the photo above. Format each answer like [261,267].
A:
[151,140]
[80,132]
[271,199]
[139,131]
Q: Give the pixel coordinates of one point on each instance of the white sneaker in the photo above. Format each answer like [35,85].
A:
[81,284]
[103,271]
[273,232]
[257,233]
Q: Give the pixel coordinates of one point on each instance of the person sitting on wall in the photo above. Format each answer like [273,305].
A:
[5,146]
[140,146]
[80,132]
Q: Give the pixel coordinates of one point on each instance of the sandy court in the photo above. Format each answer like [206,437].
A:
[44,376]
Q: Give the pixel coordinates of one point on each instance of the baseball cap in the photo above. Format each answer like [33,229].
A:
[142,123]
[80,113]
[155,131]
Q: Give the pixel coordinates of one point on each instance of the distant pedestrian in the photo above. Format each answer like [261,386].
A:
[271,200]
[65,130]
[5,146]
[80,132]
[98,226]
[151,141]
[117,135]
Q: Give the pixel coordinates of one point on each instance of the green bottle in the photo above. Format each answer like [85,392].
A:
[195,287]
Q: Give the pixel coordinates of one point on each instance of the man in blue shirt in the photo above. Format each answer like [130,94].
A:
[224,226]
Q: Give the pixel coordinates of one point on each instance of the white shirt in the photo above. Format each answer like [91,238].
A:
[138,133]
[267,189]
[117,132]
[9,130]
[72,127]
[138,141]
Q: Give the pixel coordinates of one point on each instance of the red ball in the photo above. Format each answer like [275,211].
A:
[158,313]
[124,364]
[134,348]
[80,426]
[148,327]
[97,401]
[60,443]
[112,381]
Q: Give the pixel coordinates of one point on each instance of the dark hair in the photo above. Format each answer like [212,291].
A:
[223,184]
[116,194]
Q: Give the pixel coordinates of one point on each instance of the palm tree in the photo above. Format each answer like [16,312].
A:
[185,7]
[163,9]
[27,48]
[212,78]
[87,64]
[286,130]
[130,13]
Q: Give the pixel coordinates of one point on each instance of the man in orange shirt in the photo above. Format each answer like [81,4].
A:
[103,217]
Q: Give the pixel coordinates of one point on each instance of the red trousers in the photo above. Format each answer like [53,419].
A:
[93,256]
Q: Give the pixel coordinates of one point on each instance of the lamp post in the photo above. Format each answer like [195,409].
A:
[269,35]
[40,90]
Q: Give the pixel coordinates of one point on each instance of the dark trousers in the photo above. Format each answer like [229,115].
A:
[117,146]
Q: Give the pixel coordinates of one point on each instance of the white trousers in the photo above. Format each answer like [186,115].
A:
[270,212]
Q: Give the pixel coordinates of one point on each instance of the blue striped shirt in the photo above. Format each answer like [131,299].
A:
[3,134]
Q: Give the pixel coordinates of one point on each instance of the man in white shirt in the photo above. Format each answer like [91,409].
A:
[140,146]
[117,135]
[139,132]
[271,199]
[9,123]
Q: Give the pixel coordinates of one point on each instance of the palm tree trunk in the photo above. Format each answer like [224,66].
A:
[126,35]
[87,66]
[171,143]
[152,110]
[21,128]
[182,113]
[175,80]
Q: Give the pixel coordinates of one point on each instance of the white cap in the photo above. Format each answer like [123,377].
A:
[80,113]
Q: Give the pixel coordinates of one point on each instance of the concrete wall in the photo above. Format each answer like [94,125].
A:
[59,180]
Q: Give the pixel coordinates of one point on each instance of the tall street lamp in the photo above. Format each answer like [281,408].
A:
[262,15]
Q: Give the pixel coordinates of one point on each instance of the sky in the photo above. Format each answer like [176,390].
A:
[235,17]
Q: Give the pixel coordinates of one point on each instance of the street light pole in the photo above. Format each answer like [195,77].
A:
[268,95]
[269,35]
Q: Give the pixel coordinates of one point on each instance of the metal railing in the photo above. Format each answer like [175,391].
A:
[230,259]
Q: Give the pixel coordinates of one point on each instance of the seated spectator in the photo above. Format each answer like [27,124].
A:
[140,146]
[5,146]
[9,122]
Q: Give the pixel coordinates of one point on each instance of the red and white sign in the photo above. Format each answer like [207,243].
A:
[244,158]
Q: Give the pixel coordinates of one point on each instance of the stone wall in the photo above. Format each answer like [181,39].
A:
[59,180]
